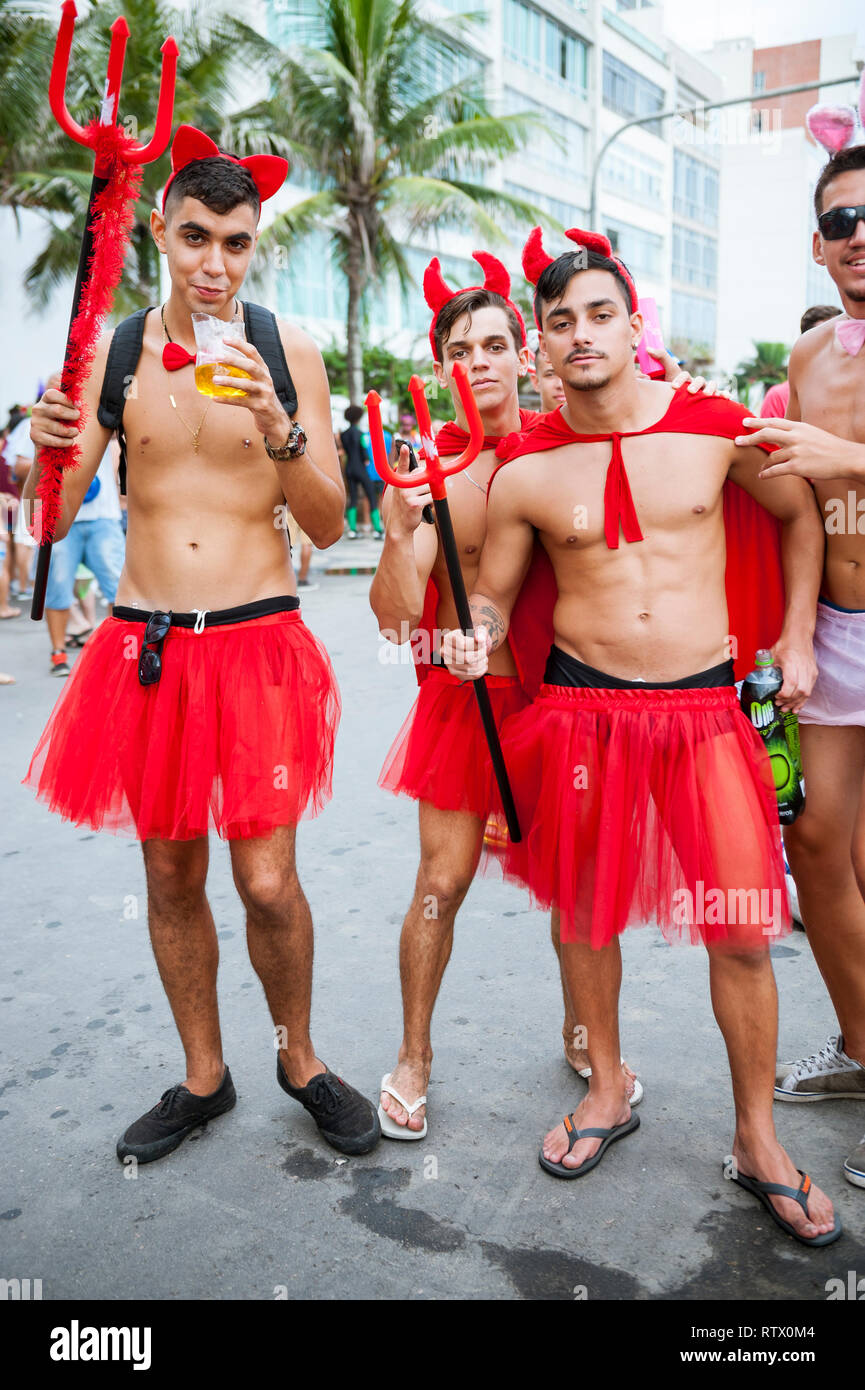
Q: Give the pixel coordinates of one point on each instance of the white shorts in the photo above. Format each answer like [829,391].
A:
[21,534]
[838,697]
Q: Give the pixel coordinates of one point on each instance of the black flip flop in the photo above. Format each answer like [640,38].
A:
[609,1136]
[761,1191]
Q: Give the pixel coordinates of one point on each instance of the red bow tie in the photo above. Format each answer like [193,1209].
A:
[174,357]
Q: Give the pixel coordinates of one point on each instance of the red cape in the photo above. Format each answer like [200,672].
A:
[531,630]
[754,576]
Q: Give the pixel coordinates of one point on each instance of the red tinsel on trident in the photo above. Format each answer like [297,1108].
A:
[110,226]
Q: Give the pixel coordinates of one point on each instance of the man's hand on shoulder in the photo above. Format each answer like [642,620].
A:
[804,450]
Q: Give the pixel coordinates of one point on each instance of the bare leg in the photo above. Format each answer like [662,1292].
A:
[745,1003]
[279,937]
[57,618]
[820,847]
[595,978]
[6,609]
[576,1055]
[184,943]
[450,848]
[305,562]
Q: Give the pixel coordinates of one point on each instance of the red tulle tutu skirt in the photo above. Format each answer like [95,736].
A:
[646,806]
[440,754]
[237,734]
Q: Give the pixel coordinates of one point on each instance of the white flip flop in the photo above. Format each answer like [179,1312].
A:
[389,1128]
[634,1099]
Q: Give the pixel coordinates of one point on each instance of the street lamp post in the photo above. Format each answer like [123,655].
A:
[691,111]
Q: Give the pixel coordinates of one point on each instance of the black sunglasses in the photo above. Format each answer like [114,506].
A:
[840,222]
[150,660]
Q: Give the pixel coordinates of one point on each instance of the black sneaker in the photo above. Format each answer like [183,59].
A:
[346,1119]
[176,1115]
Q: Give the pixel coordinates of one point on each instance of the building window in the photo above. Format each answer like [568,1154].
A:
[567,213]
[630,94]
[563,154]
[632,175]
[759,81]
[415,314]
[536,41]
[694,319]
[695,258]
[695,189]
[642,252]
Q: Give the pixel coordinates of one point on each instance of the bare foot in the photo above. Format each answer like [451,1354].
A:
[578,1058]
[595,1112]
[5,679]
[768,1162]
[8,612]
[411,1080]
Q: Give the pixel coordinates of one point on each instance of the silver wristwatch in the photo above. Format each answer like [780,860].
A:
[293,447]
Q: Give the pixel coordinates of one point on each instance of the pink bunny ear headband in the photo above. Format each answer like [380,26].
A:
[834,127]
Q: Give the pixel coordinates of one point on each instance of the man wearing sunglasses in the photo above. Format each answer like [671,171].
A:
[823,439]
[205,701]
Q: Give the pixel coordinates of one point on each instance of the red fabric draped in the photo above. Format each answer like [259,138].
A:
[754,577]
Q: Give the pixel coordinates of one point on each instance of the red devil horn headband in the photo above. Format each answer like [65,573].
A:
[437,292]
[267,171]
[536,259]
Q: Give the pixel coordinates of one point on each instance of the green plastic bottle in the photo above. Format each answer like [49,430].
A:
[779,732]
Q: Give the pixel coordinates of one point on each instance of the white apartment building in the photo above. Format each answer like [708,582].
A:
[767,276]
[586,67]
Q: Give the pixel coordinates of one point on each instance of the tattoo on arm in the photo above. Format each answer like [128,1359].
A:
[487,615]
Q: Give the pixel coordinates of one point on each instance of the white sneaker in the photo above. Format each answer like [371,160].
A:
[826,1075]
[854,1167]
[793,895]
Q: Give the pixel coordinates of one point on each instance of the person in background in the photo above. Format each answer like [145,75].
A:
[356,474]
[10,497]
[546,381]
[95,539]
[298,537]
[19,452]
[375,480]
[775,400]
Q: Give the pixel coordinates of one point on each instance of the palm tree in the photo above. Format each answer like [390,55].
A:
[40,168]
[388,152]
[768,365]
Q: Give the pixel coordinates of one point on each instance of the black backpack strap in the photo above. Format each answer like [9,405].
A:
[119,380]
[263,332]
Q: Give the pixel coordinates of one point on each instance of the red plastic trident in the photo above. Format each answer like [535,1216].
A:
[115,186]
[133,153]
[434,474]
[435,471]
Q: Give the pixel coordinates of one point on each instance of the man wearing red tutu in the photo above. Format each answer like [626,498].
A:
[204,700]
[440,755]
[643,791]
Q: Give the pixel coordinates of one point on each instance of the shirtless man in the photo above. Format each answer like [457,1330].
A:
[204,699]
[823,439]
[484,331]
[680,773]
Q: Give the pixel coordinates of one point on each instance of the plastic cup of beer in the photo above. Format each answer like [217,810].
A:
[211,333]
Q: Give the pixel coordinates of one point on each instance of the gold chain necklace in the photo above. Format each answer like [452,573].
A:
[166,338]
[194,432]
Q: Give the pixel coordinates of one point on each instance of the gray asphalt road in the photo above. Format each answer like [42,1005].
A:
[257,1207]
